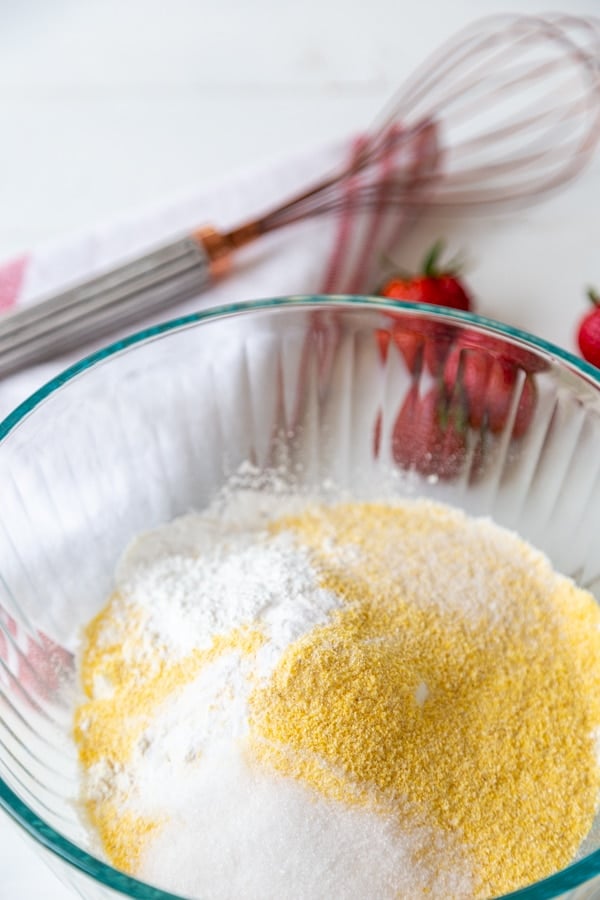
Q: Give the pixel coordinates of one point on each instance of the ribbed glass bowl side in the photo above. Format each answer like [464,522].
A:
[338,389]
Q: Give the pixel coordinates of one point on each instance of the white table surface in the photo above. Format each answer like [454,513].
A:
[108,106]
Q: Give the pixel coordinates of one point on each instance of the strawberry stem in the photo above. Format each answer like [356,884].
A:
[456,265]
[594,296]
[430,263]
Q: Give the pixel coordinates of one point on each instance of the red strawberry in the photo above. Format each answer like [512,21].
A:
[408,342]
[588,335]
[50,663]
[511,353]
[526,407]
[502,383]
[404,442]
[430,434]
[383,342]
[438,285]
[418,348]
[465,375]
[485,385]
[417,339]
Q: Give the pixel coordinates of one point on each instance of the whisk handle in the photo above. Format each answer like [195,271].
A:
[169,274]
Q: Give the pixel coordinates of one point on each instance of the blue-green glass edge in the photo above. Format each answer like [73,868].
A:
[550,887]
[68,852]
[138,337]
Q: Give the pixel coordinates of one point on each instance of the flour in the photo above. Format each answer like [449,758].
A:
[201,576]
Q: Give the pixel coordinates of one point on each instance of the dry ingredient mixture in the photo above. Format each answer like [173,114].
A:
[354,700]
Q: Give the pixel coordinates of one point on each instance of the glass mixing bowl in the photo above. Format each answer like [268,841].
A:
[349,389]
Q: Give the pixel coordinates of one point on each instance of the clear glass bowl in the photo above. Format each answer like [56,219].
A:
[347,389]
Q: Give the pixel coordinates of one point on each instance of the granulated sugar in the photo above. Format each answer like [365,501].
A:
[287,699]
[255,835]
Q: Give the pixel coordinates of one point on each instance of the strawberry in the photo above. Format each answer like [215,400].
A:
[417,339]
[465,376]
[588,334]
[40,663]
[484,384]
[435,284]
[430,434]
[510,353]
[410,343]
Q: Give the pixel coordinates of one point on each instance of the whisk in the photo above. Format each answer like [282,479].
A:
[504,112]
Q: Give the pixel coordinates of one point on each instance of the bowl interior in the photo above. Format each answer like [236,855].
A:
[371,398]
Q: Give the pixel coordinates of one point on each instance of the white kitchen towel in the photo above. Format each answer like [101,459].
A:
[327,254]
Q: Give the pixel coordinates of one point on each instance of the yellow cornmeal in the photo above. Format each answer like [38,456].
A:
[501,747]
[479,715]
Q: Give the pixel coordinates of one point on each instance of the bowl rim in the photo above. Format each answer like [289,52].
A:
[573,875]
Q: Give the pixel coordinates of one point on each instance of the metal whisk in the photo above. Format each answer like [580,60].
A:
[515,104]
[504,112]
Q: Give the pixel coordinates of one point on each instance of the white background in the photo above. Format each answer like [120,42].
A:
[113,105]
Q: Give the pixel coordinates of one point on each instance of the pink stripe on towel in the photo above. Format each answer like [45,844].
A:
[11,280]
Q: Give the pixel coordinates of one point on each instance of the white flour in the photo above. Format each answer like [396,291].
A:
[198,577]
